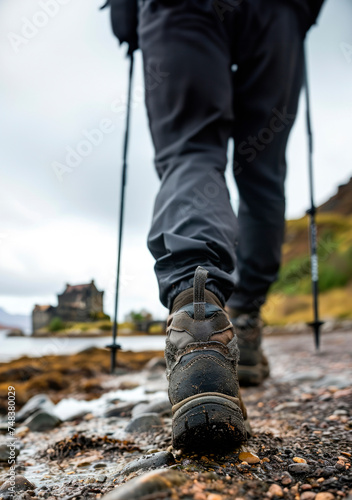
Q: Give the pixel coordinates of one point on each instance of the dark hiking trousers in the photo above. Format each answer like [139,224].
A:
[196,102]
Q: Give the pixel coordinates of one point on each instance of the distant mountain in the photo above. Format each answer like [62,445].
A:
[341,202]
[8,320]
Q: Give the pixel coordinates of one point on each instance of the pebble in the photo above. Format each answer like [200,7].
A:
[101,478]
[340,465]
[139,409]
[159,406]
[144,423]
[38,402]
[306,487]
[83,462]
[324,495]
[307,495]
[153,461]
[22,431]
[243,466]
[21,484]
[42,421]
[4,427]
[248,457]
[325,471]
[147,484]
[5,452]
[276,491]
[301,377]
[299,460]
[286,406]
[339,381]
[340,412]
[299,468]
[286,478]
[120,410]
[99,465]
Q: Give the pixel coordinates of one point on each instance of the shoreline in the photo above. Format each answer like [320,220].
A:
[329,326]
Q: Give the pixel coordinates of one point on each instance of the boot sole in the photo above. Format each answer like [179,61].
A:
[208,422]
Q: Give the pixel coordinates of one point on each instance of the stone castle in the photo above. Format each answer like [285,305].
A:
[77,303]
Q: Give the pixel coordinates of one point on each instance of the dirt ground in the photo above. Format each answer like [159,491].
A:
[300,449]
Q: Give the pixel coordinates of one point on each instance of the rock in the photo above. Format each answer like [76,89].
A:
[7,452]
[21,484]
[4,427]
[286,406]
[307,495]
[144,423]
[147,484]
[42,421]
[100,465]
[244,466]
[153,461]
[139,409]
[101,478]
[128,385]
[346,454]
[300,377]
[120,410]
[83,462]
[298,468]
[38,402]
[159,406]
[306,487]
[299,460]
[340,412]
[325,471]
[248,457]
[333,380]
[286,479]
[22,431]
[15,332]
[276,491]
[324,495]
[155,364]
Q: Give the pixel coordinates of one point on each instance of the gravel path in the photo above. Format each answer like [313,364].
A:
[119,446]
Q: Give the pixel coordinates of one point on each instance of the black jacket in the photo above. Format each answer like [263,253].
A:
[124,17]
[309,10]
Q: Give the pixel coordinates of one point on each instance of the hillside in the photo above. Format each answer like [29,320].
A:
[290,298]
[341,202]
[8,320]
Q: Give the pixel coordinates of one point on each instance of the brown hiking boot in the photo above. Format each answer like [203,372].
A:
[253,365]
[201,357]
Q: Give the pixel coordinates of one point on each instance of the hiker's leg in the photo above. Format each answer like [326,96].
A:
[186,55]
[267,86]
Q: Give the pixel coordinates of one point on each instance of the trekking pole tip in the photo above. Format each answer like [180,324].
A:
[316,328]
[113,349]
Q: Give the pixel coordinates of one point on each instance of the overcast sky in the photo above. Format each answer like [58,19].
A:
[67,77]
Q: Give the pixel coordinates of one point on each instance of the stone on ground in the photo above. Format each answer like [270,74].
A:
[148,484]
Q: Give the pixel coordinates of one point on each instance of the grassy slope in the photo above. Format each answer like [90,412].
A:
[290,299]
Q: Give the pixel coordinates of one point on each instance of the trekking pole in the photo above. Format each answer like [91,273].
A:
[316,324]
[116,347]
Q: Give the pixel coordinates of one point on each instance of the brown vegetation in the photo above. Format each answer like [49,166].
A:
[59,376]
